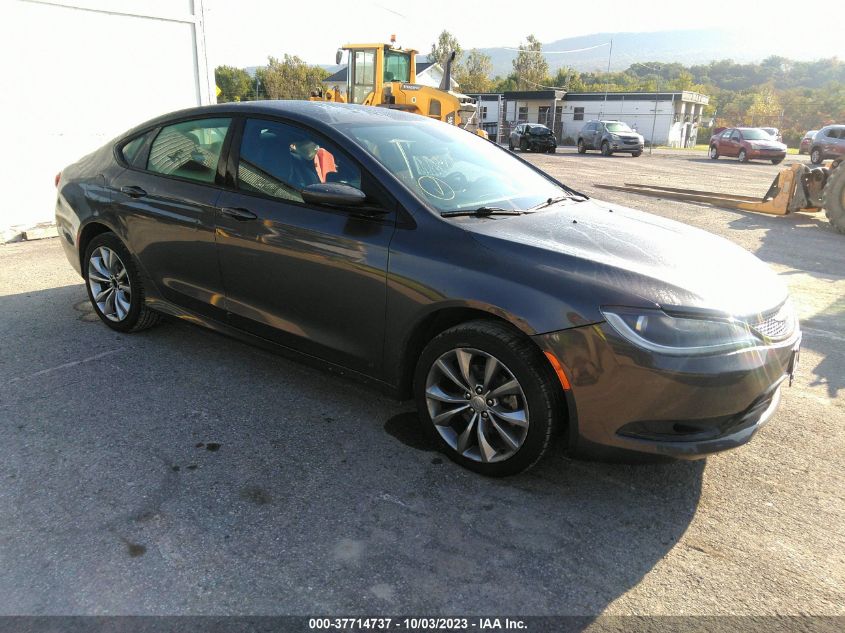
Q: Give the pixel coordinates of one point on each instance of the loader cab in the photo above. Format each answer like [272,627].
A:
[370,66]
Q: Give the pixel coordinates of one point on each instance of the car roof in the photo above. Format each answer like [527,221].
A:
[319,114]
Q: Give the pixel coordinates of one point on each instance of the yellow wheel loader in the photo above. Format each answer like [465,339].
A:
[796,188]
[383,75]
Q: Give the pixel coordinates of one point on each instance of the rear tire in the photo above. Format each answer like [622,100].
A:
[714,152]
[536,402]
[742,156]
[605,149]
[510,144]
[582,149]
[777,161]
[552,150]
[636,154]
[833,198]
[816,156]
[119,299]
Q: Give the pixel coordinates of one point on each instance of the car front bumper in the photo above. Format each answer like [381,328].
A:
[625,398]
[620,146]
[766,154]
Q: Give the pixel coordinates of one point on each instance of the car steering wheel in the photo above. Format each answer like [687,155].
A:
[457,180]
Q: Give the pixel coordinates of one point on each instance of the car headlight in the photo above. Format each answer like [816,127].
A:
[663,333]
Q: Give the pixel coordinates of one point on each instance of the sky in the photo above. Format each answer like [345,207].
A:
[244,32]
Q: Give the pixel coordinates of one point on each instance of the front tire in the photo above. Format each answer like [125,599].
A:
[523,145]
[510,144]
[488,397]
[605,149]
[714,152]
[114,285]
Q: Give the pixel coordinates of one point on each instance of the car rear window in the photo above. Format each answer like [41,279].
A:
[189,150]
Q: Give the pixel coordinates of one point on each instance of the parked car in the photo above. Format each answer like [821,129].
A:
[774,133]
[747,143]
[423,259]
[532,137]
[829,142]
[610,137]
[807,141]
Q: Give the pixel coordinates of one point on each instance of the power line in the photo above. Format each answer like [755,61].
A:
[541,52]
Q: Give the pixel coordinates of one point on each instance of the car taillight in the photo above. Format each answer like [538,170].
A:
[58,178]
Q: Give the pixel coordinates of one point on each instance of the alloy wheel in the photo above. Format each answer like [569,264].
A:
[477,405]
[109,284]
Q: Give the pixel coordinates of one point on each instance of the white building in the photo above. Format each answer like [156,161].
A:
[78,73]
[664,118]
[428,74]
[670,118]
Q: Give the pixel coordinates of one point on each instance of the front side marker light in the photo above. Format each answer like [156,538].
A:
[561,375]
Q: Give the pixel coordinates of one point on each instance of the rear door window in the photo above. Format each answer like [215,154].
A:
[189,150]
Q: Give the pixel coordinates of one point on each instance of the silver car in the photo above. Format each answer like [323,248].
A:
[610,137]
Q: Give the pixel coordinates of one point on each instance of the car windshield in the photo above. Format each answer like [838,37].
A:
[452,169]
[618,127]
[539,130]
[756,135]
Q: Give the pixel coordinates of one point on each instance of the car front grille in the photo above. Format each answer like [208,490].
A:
[777,325]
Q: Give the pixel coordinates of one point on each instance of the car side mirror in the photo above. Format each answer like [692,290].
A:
[334,194]
[338,56]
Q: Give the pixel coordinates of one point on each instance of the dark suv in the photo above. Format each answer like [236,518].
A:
[829,142]
[609,137]
[532,137]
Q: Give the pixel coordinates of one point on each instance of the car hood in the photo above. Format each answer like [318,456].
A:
[633,256]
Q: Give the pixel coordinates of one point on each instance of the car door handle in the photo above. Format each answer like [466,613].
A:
[133,191]
[238,213]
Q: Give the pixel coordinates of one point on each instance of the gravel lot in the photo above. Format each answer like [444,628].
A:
[180,472]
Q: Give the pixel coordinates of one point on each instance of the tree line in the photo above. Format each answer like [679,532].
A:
[794,96]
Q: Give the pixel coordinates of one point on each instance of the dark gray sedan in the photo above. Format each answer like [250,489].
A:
[418,257]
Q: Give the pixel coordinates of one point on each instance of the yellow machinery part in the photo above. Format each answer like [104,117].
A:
[780,200]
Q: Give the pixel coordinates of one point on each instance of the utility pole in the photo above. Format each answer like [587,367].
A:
[654,121]
[607,82]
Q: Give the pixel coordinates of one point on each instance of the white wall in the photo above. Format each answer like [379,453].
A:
[639,114]
[79,72]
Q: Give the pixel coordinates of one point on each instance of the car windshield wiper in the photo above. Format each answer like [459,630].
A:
[482,212]
[551,201]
